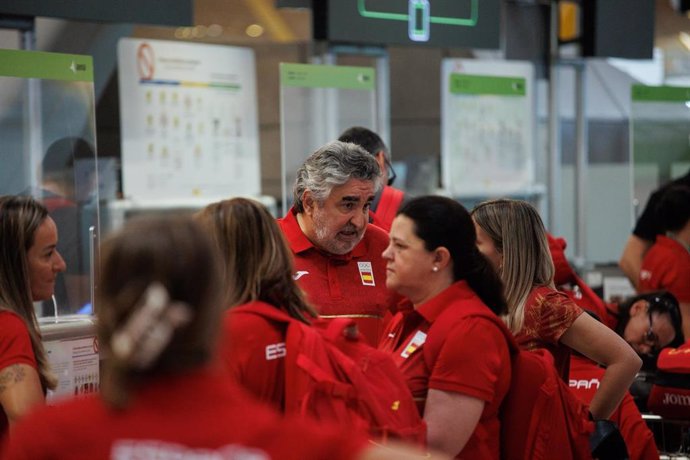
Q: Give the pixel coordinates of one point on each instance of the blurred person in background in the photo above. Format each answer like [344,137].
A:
[646,229]
[666,265]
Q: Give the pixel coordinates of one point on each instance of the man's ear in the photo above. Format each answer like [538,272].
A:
[308,202]
[381,160]
[638,307]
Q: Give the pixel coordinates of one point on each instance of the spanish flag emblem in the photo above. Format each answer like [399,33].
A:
[366,273]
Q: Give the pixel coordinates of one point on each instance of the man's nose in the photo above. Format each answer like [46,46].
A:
[360,219]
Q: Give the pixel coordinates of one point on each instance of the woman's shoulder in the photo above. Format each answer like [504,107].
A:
[248,322]
[12,325]
[547,297]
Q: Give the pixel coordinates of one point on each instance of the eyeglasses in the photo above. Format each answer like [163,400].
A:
[391,171]
[650,337]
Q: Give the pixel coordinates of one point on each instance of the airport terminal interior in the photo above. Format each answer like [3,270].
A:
[115,110]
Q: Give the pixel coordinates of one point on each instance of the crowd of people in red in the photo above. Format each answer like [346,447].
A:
[446,294]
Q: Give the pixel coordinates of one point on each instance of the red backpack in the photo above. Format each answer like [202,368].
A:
[540,417]
[331,374]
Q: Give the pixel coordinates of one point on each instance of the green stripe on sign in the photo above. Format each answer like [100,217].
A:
[485,84]
[327,76]
[48,66]
[642,93]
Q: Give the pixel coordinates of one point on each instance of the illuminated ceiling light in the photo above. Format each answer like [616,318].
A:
[214,30]
[684,38]
[254,30]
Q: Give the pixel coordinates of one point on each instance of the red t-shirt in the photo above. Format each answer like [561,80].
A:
[548,314]
[585,377]
[200,414]
[666,266]
[15,348]
[253,350]
[350,285]
[473,359]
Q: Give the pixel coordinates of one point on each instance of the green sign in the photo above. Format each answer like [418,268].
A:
[642,93]
[327,76]
[48,66]
[485,84]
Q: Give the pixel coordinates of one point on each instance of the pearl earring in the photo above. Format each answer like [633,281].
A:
[435,269]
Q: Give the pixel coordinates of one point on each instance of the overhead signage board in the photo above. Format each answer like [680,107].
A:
[443,23]
[189,120]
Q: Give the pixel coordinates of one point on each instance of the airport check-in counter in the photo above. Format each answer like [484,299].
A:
[72,349]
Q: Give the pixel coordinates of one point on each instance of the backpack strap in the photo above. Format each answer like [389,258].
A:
[337,328]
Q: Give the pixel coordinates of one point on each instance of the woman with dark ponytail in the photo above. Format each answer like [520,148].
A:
[457,362]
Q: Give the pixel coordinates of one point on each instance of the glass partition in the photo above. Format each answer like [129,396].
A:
[47,127]
[317,103]
[660,138]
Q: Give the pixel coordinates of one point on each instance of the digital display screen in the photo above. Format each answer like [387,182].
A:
[444,23]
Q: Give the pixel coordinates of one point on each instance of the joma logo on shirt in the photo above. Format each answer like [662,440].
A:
[275,351]
[676,400]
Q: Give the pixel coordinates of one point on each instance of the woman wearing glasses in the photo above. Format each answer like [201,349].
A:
[649,322]
[511,235]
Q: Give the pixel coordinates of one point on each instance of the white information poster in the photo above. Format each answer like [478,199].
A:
[189,120]
[75,362]
[487,126]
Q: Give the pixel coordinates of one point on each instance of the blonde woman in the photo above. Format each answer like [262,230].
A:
[258,269]
[511,235]
[29,263]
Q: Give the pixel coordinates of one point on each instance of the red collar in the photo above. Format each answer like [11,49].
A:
[431,309]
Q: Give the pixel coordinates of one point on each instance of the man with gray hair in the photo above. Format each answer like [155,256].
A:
[388,199]
[337,252]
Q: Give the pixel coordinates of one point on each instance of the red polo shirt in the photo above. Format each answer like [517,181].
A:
[350,285]
[467,355]
[666,266]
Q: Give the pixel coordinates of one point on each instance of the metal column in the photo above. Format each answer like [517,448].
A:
[581,163]
[553,182]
